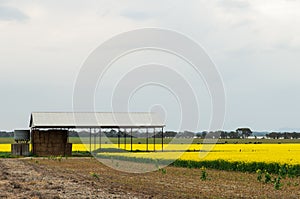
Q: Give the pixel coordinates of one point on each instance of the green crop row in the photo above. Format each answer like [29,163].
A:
[274,168]
[252,167]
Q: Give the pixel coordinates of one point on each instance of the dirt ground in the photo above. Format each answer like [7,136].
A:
[87,178]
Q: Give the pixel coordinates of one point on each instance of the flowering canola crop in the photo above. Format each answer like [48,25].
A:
[268,153]
[279,153]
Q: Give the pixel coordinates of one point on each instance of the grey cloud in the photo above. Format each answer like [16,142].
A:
[10,13]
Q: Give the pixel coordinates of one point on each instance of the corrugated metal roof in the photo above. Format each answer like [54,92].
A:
[94,119]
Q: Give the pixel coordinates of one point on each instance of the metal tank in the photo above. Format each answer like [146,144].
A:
[22,136]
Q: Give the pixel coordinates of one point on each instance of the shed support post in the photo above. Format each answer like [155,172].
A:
[153,139]
[119,138]
[162,139]
[125,139]
[90,140]
[131,139]
[95,137]
[147,140]
[100,135]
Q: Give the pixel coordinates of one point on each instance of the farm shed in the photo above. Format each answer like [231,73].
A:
[49,130]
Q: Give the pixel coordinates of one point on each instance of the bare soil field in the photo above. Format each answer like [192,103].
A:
[88,178]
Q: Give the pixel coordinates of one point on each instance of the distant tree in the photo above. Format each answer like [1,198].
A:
[286,135]
[210,135]
[73,134]
[233,135]
[186,134]
[223,134]
[170,134]
[159,134]
[244,132]
[111,133]
[6,134]
[214,134]
[83,134]
[273,135]
[295,135]
[199,135]
[204,133]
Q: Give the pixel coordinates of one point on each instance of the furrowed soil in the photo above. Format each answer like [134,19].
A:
[87,178]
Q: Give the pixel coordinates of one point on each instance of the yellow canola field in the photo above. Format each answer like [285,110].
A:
[5,147]
[75,147]
[281,153]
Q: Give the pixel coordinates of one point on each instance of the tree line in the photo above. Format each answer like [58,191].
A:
[286,135]
[6,134]
[240,133]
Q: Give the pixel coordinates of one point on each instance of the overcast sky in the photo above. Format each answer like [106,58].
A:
[255,45]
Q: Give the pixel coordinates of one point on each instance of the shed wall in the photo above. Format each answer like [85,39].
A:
[51,142]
